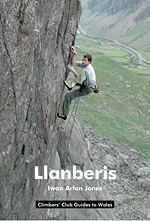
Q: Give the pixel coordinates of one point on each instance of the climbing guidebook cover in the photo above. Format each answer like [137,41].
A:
[74,110]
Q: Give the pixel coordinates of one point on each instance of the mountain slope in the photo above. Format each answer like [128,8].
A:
[124,20]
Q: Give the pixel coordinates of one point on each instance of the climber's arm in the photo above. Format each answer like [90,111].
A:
[74,62]
[72,70]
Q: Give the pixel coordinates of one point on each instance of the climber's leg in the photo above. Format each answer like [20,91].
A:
[83,78]
[67,101]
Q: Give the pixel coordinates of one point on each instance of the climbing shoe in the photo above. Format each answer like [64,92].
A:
[64,117]
[67,85]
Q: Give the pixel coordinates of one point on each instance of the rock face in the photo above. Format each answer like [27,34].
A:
[35,37]
[74,150]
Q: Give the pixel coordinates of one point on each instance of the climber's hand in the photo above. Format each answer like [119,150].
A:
[69,67]
[73,50]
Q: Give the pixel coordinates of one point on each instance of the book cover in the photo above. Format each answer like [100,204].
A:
[95,164]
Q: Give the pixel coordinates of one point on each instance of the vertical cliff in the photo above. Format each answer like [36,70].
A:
[35,37]
[74,151]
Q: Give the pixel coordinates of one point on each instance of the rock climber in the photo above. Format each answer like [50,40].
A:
[86,81]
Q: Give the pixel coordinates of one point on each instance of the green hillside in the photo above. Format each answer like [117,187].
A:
[121,112]
[124,20]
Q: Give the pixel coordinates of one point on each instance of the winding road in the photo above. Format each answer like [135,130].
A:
[129,49]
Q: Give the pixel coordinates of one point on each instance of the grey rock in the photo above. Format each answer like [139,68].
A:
[125,157]
[35,41]
[76,151]
[144,171]
[130,190]
[144,184]
[110,161]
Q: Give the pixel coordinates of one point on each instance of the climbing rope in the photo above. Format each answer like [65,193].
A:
[74,109]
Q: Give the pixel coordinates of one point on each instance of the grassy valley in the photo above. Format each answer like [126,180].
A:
[125,21]
[121,112]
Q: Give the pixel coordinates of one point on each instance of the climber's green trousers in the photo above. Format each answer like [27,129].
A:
[83,80]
